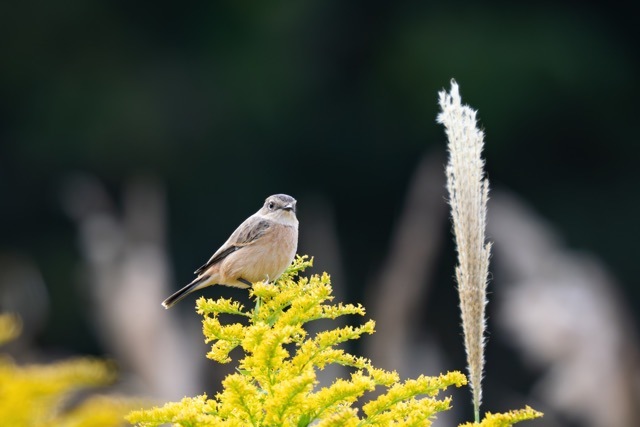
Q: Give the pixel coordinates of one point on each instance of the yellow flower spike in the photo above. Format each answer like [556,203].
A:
[220,351]
[33,395]
[303,310]
[506,419]
[219,306]
[339,357]
[271,352]
[399,392]
[382,377]
[288,399]
[38,395]
[334,311]
[240,399]
[301,263]
[337,336]
[253,336]
[331,399]
[214,330]
[342,417]
[189,411]
[264,290]
[226,337]
[319,351]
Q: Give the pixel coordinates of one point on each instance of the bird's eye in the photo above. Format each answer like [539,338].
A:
[271,205]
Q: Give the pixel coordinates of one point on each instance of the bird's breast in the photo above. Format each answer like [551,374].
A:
[266,258]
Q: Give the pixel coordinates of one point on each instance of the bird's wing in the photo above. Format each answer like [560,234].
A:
[246,234]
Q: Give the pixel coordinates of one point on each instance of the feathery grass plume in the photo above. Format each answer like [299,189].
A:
[276,381]
[468,194]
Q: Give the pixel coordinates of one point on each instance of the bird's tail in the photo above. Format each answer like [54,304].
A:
[199,282]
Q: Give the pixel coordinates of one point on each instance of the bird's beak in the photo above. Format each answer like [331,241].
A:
[289,207]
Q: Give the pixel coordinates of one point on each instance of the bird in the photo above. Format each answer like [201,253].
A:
[261,248]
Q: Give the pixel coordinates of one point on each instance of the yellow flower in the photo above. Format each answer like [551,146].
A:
[276,384]
[507,419]
[34,395]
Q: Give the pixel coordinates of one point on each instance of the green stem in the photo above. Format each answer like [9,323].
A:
[258,303]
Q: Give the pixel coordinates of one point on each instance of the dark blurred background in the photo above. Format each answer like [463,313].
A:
[155,128]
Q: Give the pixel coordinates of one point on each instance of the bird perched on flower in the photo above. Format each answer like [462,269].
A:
[261,248]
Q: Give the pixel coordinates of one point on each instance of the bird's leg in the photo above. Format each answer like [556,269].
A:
[249,284]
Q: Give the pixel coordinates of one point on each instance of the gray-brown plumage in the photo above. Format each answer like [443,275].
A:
[261,248]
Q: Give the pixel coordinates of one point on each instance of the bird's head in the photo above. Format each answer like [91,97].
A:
[280,208]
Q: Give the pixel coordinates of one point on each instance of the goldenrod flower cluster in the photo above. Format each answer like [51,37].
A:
[276,381]
[34,395]
[507,419]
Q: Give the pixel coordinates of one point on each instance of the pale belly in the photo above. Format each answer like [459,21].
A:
[263,260]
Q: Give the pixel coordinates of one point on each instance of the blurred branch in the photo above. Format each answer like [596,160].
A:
[128,270]
[320,238]
[402,284]
[563,312]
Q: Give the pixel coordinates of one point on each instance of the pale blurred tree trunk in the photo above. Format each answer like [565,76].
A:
[128,274]
[563,311]
[400,290]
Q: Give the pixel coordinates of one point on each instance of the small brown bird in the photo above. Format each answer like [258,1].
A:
[261,248]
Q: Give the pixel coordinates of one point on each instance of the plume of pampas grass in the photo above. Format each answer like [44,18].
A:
[468,194]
